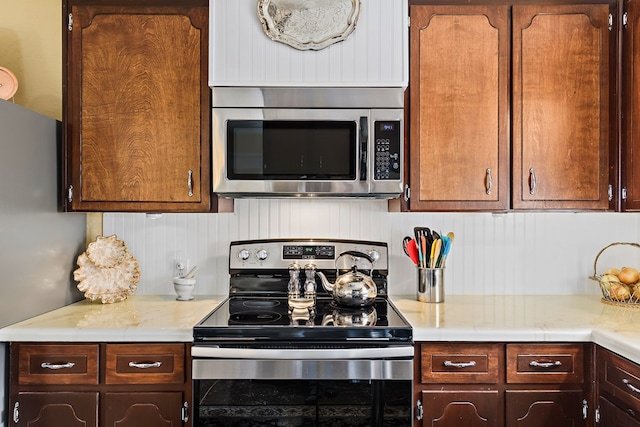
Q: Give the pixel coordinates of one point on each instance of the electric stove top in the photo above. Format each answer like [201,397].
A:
[260,310]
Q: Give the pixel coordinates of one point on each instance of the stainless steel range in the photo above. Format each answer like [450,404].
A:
[283,350]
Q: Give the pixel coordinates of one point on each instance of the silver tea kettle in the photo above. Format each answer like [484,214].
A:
[362,316]
[354,288]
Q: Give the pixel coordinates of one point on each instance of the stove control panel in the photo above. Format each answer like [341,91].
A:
[278,254]
[308,252]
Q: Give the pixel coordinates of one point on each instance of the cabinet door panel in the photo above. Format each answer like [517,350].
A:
[549,408]
[561,91]
[612,416]
[631,99]
[54,409]
[461,408]
[459,107]
[142,409]
[138,108]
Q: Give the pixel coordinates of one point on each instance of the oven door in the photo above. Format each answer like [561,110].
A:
[309,387]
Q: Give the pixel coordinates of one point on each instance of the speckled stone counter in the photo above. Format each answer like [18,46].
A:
[140,318]
[544,318]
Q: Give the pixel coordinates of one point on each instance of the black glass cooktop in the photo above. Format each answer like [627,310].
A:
[272,318]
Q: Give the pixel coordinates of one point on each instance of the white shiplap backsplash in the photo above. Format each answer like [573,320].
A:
[375,54]
[502,254]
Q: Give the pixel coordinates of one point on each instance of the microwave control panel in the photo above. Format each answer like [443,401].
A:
[387,150]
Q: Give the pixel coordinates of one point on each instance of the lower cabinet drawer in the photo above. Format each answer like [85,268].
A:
[145,363]
[545,363]
[56,364]
[461,363]
[620,378]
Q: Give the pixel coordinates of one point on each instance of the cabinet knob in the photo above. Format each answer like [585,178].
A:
[55,366]
[489,181]
[16,413]
[450,364]
[190,183]
[545,365]
[532,181]
[143,365]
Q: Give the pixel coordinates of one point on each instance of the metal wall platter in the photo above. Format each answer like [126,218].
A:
[309,24]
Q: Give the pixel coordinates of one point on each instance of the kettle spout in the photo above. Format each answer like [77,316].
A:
[328,286]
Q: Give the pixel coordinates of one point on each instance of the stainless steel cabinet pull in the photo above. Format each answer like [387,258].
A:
[532,181]
[145,365]
[190,183]
[489,181]
[630,386]
[450,364]
[47,365]
[16,413]
[535,364]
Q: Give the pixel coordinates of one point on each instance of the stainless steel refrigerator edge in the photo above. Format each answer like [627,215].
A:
[38,243]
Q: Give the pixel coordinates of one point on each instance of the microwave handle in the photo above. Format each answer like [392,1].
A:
[364,143]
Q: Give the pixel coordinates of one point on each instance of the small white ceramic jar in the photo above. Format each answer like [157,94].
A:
[184,287]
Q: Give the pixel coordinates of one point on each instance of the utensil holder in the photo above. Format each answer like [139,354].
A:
[431,285]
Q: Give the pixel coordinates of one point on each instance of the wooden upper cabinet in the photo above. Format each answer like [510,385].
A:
[137,106]
[459,107]
[561,97]
[631,104]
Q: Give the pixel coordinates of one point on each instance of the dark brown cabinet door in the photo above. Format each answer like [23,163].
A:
[612,416]
[137,107]
[143,409]
[548,408]
[459,128]
[561,98]
[461,408]
[54,409]
[631,101]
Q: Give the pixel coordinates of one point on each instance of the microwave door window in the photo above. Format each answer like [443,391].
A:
[292,150]
[246,155]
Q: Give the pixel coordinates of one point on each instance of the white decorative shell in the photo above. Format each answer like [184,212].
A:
[106,251]
[107,271]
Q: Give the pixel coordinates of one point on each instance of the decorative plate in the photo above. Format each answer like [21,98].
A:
[308,24]
[8,84]
[107,271]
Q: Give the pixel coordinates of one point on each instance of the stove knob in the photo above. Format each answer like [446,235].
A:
[262,255]
[375,255]
[243,255]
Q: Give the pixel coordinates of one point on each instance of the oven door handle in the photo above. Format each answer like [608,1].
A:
[302,354]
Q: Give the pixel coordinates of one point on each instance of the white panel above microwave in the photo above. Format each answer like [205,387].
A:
[376,54]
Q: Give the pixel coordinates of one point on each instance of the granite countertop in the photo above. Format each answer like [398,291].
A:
[526,318]
[543,318]
[148,318]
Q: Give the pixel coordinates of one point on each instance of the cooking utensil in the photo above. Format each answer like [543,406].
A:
[352,289]
[451,236]
[443,250]
[411,249]
[435,253]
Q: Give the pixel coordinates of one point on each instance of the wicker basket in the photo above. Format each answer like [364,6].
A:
[613,291]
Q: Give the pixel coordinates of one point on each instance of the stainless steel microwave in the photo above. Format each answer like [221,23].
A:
[315,142]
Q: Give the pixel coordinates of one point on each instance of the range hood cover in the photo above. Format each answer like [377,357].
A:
[376,54]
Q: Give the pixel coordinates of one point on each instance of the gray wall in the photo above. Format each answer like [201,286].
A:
[38,244]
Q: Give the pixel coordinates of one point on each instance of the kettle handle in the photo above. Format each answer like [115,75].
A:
[357,254]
